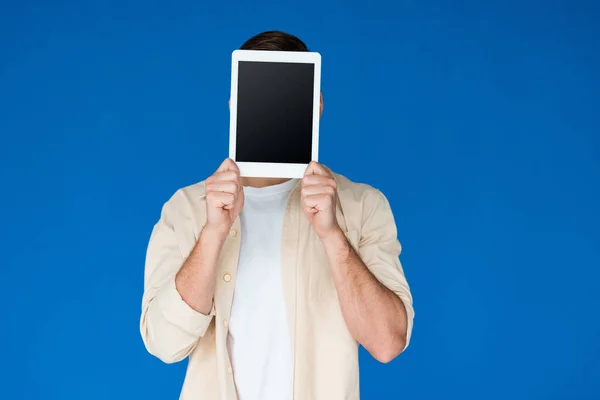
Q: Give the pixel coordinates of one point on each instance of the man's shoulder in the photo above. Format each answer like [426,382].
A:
[195,190]
[187,197]
[354,192]
[359,202]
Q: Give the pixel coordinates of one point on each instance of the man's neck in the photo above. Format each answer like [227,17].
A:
[262,182]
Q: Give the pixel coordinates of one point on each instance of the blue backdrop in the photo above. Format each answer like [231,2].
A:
[478,120]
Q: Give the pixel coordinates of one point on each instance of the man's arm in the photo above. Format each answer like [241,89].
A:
[373,293]
[169,325]
[177,306]
[374,314]
[195,281]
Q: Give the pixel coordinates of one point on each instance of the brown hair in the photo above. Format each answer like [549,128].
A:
[274,40]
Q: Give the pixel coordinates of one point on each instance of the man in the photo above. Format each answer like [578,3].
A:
[269,285]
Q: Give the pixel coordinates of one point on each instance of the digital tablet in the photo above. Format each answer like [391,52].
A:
[275,103]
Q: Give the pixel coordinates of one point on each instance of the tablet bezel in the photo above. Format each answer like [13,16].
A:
[274,170]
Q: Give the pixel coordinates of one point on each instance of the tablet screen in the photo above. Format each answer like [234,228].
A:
[274,112]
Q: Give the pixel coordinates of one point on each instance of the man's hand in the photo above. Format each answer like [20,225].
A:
[195,280]
[224,197]
[319,199]
[375,316]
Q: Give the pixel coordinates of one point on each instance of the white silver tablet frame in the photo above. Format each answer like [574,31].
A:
[274,170]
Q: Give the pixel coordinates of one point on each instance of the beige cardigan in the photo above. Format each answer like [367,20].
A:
[325,353]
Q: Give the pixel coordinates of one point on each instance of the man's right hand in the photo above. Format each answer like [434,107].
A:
[195,280]
[224,197]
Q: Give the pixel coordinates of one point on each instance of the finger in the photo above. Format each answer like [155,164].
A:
[220,199]
[314,168]
[228,165]
[222,186]
[232,176]
[318,180]
[312,190]
[320,202]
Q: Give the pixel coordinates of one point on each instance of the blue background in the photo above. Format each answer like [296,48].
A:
[478,120]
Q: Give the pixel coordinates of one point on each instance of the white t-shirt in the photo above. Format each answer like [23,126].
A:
[259,337]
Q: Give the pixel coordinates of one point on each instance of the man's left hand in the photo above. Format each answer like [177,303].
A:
[319,192]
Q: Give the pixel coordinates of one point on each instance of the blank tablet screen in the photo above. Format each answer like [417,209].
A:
[274,112]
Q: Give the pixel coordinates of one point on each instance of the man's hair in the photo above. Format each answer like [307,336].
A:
[274,40]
